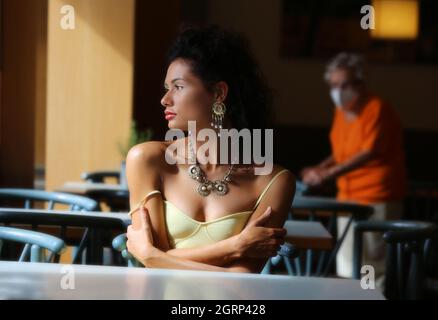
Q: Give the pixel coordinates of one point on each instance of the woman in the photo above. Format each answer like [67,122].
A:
[211,79]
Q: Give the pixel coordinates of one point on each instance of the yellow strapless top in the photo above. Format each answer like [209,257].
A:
[186,232]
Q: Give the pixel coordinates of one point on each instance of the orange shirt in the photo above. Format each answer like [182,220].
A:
[377,128]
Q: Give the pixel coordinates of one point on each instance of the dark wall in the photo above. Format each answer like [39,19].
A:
[156,25]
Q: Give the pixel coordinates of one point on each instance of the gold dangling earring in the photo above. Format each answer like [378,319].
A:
[218,114]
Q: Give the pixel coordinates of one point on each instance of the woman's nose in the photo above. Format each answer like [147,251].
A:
[166,101]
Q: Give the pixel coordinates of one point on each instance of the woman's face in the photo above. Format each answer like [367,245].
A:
[186,98]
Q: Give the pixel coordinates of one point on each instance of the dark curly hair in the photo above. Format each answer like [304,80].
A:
[217,55]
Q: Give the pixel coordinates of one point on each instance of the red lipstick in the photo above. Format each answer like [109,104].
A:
[169,115]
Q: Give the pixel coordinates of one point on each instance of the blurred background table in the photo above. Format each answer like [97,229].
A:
[114,196]
[308,235]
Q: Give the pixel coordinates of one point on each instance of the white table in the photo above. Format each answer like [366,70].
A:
[44,281]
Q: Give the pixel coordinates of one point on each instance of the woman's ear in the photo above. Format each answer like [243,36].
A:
[220,91]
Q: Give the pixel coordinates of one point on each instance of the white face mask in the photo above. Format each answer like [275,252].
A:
[342,97]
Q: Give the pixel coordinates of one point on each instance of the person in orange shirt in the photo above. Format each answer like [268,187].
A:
[367,157]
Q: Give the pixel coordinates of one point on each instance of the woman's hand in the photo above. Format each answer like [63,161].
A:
[140,241]
[257,241]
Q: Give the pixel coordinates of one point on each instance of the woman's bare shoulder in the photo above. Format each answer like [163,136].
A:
[148,153]
[145,167]
[277,168]
[285,179]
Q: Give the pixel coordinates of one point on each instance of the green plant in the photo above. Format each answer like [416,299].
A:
[135,137]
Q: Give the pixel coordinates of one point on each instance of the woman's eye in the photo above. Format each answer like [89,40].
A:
[178,87]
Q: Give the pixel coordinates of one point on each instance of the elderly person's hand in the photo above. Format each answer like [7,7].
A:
[317,176]
[140,241]
[311,176]
[306,171]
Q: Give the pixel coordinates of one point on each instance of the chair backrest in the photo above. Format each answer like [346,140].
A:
[30,196]
[325,210]
[100,176]
[119,244]
[77,203]
[98,227]
[300,188]
[408,244]
[285,257]
[34,244]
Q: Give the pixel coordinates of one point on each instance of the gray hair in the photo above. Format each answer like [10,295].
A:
[344,60]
